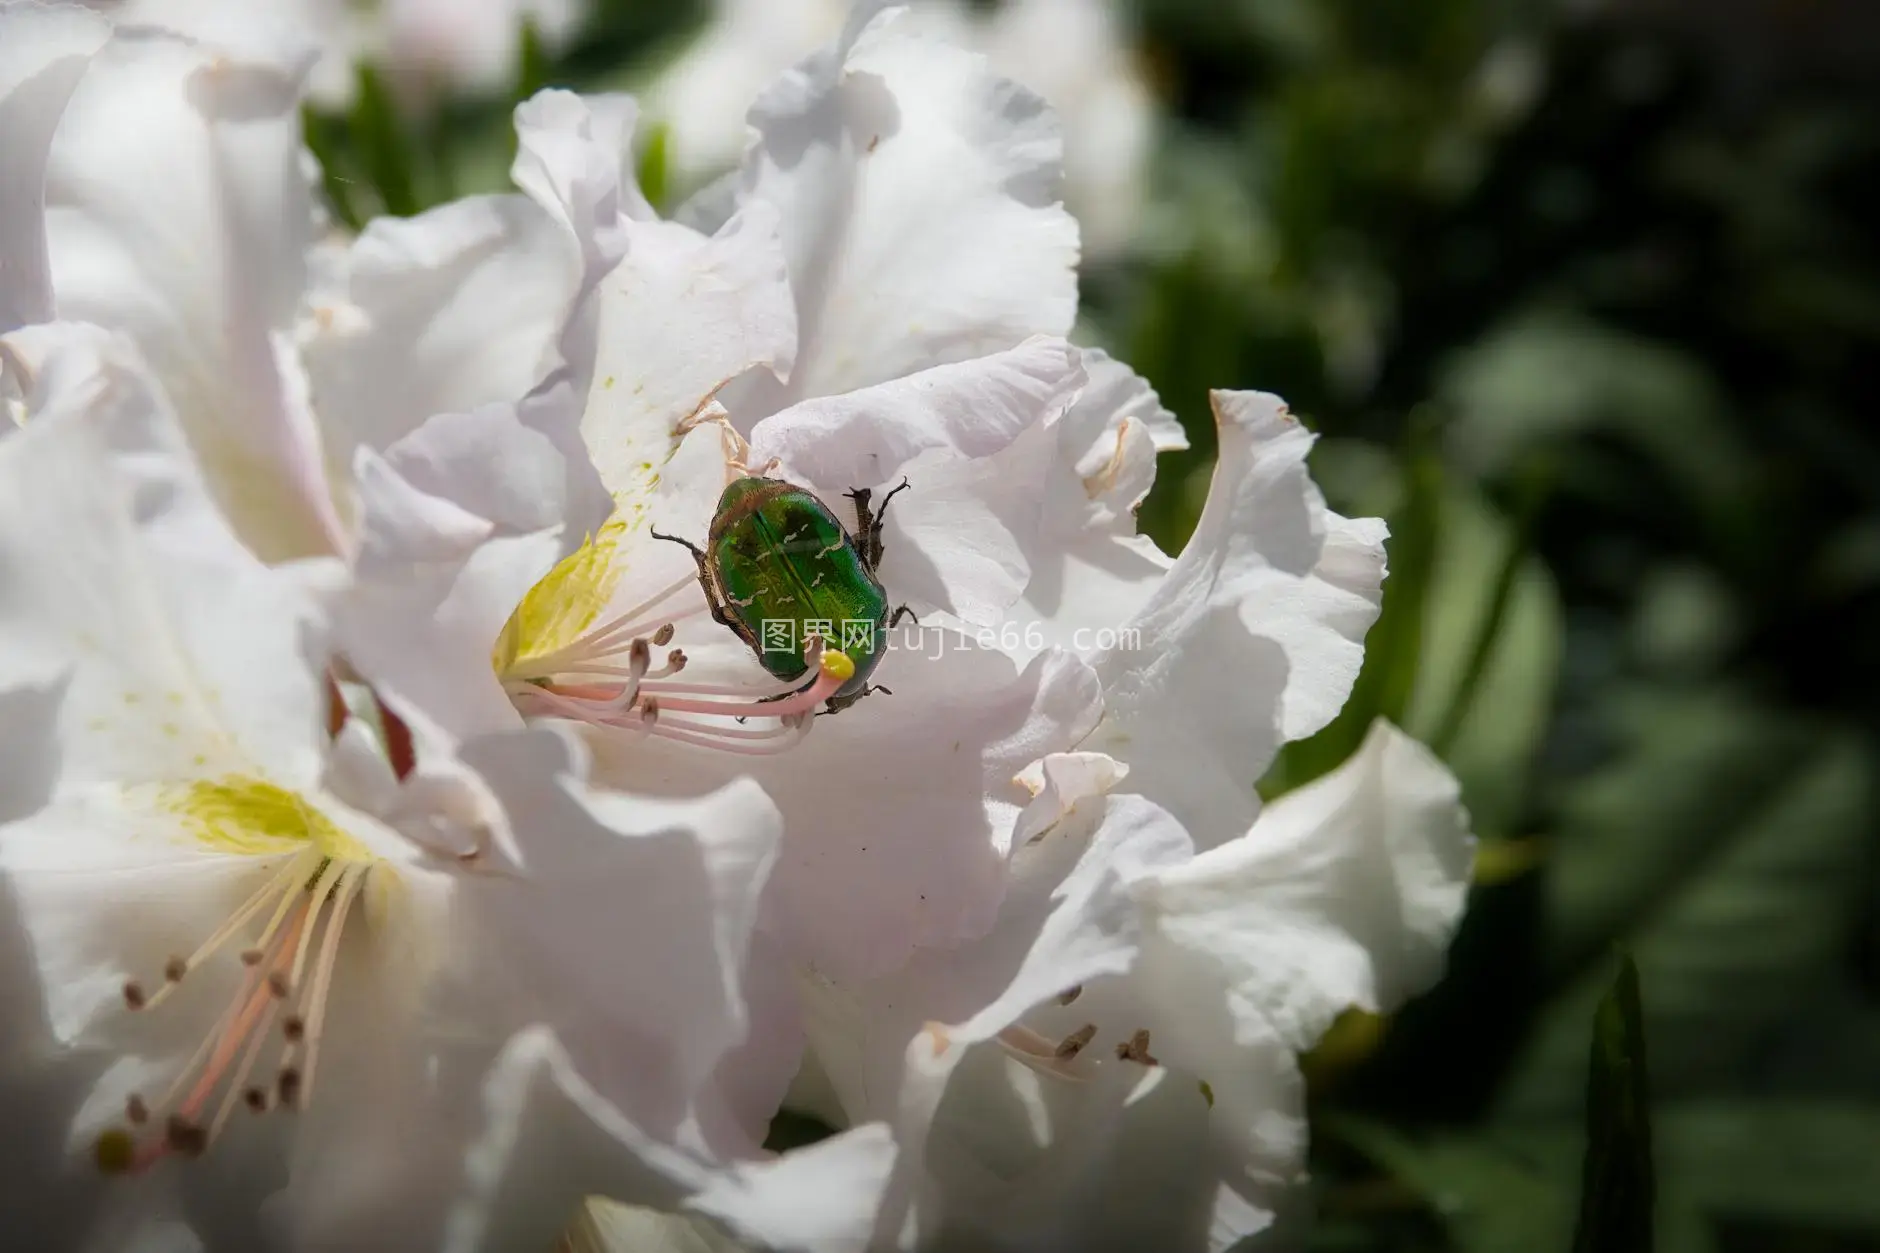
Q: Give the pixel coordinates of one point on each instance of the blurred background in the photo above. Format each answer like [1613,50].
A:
[1585,299]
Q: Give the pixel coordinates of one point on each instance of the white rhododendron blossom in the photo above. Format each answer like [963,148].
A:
[165,193]
[1073,53]
[298,983]
[522,799]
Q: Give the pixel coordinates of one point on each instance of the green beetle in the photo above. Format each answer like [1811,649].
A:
[776,561]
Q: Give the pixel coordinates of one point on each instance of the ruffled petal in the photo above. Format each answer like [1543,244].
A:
[1344,894]
[1272,590]
[918,197]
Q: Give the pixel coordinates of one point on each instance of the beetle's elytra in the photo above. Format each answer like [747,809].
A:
[776,555]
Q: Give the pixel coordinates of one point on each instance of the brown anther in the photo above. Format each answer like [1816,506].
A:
[649,710]
[134,996]
[277,985]
[184,1136]
[1136,1049]
[294,1028]
[136,1110]
[252,956]
[256,1099]
[675,660]
[639,657]
[1073,1044]
[1070,994]
[175,969]
[289,1086]
[663,636]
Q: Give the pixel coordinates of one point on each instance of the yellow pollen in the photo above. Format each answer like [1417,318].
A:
[837,666]
[564,603]
[239,814]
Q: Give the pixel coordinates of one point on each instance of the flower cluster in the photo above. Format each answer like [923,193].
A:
[406,840]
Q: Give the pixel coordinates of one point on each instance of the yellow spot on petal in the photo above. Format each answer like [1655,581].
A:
[132,698]
[252,817]
[564,603]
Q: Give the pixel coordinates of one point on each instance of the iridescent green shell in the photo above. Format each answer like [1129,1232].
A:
[776,554]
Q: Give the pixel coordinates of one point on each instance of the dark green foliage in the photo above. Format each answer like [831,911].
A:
[1616,1183]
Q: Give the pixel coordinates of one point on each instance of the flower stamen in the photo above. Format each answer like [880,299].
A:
[287,976]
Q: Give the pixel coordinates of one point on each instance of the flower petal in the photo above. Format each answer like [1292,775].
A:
[44,51]
[569,154]
[1090,573]
[972,409]
[1259,594]
[459,520]
[185,654]
[1070,919]
[178,210]
[640,923]
[918,195]
[458,307]
[683,314]
[1345,893]
[898,813]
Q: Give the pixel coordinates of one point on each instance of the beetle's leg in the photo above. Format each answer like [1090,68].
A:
[863,518]
[872,539]
[900,612]
[836,705]
[704,575]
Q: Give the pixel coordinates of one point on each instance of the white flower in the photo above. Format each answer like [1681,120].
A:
[178,208]
[1070,52]
[1112,1066]
[897,814]
[175,209]
[426,47]
[255,945]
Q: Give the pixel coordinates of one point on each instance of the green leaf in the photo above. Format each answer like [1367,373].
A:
[323,140]
[1549,378]
[1493,1197]
[1804,1162]
[1490,662]
[532,62]
[1726,851]
[655,167]
[387,153]
[1617,1182]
